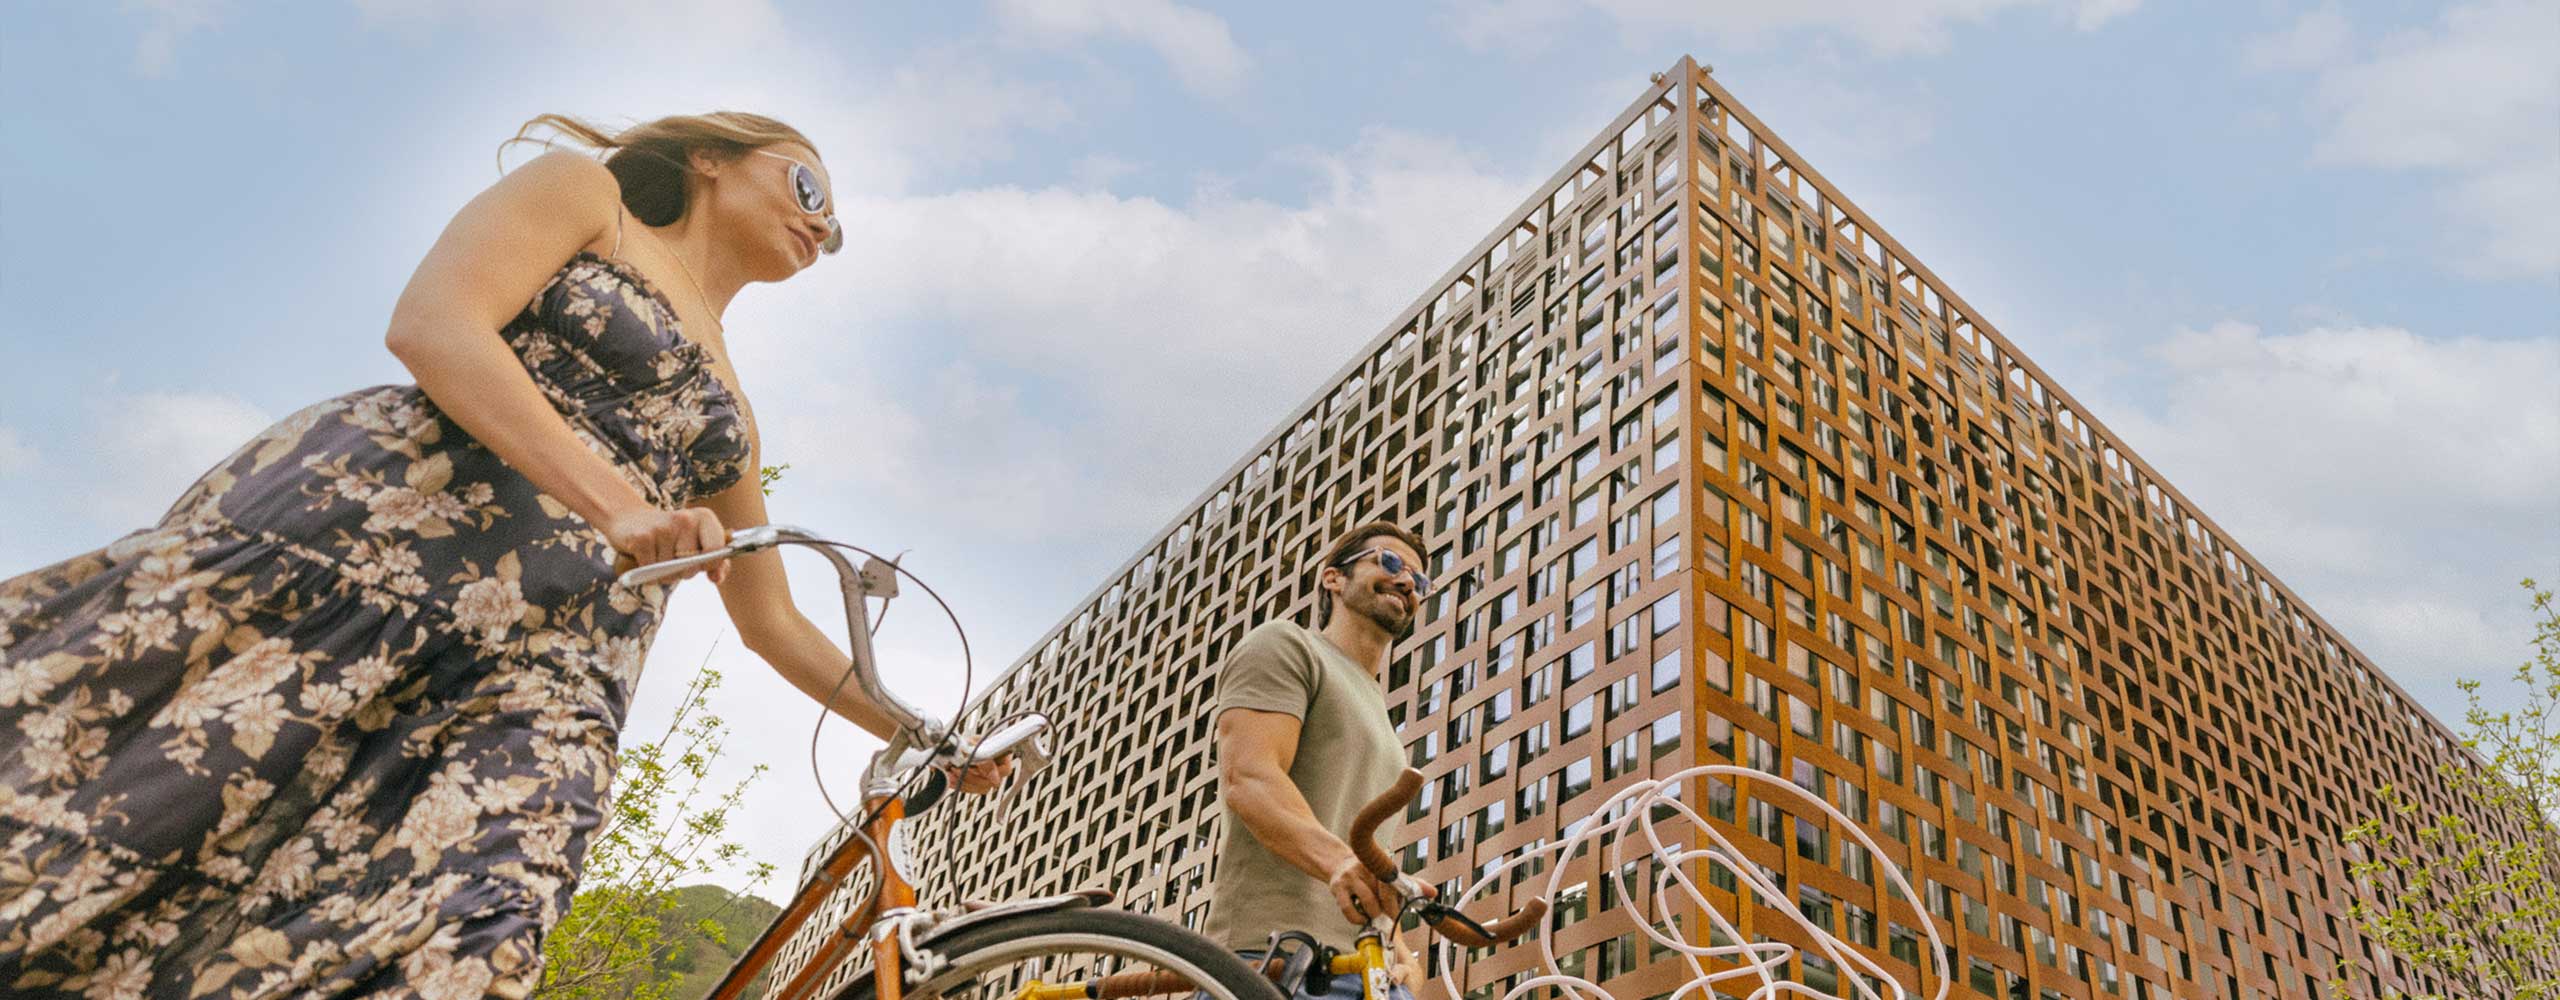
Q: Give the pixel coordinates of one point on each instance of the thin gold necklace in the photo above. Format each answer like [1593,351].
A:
[717,327]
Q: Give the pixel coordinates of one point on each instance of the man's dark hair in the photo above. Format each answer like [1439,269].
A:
[1351,544]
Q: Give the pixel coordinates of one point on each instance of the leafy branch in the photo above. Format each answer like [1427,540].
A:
[2468,890]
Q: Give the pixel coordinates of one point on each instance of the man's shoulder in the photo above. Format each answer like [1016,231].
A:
[1271,645]
[1272,670]
[1276,640]
[1277,630]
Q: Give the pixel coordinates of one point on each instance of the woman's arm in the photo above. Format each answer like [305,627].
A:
[492,259]
[757,594]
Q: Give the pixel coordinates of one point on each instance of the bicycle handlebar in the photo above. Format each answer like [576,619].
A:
[876,578]
[1446,919]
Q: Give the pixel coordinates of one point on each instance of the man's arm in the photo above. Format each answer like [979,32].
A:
[1255,751]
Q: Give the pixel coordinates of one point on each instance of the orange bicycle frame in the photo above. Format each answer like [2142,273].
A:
[891,892]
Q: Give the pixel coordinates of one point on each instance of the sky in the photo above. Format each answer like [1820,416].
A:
[2304,258]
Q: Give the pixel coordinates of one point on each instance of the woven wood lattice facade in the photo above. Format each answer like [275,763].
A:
[1716,471]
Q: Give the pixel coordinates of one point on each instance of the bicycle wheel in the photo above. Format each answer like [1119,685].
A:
[1109,953]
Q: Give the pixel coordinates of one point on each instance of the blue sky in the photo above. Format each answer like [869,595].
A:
[2305,258]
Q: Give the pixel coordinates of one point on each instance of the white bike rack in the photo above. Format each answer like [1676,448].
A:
[1634,807]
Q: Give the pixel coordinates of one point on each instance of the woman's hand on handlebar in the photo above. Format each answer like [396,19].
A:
[981,777]
[648,535]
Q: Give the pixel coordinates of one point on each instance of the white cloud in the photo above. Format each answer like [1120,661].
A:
[1887,26]
[1101,170]
[16,455]
[2401,483]
[146,447]
[2471,99]
[166,23]
[1117,317]
[706,25]
[883,125]
[2466,419]
[2090,15]
[2315,39]
[1194,42]
[2466,633]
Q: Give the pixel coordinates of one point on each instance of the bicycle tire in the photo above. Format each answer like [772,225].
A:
[1218,974]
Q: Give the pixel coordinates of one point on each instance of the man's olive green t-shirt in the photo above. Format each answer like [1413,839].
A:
[1347,755]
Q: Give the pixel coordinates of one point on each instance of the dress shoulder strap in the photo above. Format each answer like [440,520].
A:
[618,213]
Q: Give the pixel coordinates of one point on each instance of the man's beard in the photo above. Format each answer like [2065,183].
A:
[1390,616]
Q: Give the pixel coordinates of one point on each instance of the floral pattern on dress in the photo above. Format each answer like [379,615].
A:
[342,722]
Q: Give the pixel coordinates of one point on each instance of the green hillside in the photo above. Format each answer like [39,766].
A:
[696,959]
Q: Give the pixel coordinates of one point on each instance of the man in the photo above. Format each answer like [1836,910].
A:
[1303,743]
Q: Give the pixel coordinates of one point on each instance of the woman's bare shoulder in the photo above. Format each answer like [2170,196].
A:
[565,177]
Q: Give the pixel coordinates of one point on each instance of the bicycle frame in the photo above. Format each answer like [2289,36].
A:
[892,892]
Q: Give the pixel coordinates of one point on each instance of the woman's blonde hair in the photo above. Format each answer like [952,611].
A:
[651,159]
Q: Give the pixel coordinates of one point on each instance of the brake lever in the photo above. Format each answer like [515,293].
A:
[1435,912]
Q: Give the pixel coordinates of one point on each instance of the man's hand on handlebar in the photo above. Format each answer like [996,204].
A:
[1360,894]
[1457,927]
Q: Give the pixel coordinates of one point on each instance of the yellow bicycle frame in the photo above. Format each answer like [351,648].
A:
[1368,960]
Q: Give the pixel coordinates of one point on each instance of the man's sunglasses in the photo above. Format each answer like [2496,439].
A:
[812,198]
[1394,565]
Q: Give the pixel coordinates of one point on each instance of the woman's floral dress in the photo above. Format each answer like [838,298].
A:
[342,723]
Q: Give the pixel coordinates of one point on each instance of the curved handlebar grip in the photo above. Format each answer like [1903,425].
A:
[656,571]
[1022,737]
[741,542]
[1502,931]
[1364,845]
[1364,827]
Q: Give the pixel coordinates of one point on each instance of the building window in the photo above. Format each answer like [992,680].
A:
[1538,686]
[1621,756]
[1579,664]
[1719,736]
[1621,696]
[1666,734]
[1666,672]
[1576,780]
[1577,719]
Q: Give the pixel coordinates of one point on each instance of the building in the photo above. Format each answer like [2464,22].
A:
[1718,471]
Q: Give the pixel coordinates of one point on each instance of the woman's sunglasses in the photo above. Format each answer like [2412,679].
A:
[812,198]
[1394,565]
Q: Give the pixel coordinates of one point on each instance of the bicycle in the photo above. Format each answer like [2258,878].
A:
[1064,947]
[1367,958]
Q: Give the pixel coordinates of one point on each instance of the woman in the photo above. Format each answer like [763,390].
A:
[340,724]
